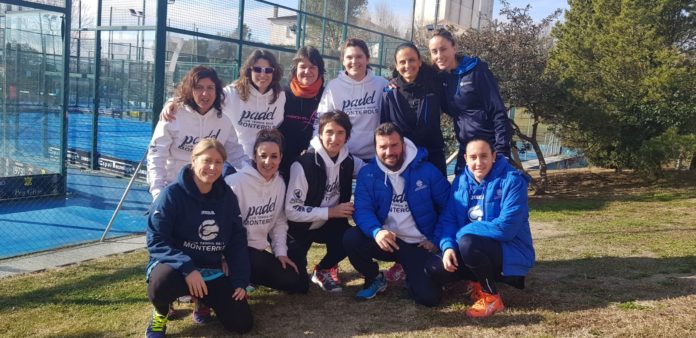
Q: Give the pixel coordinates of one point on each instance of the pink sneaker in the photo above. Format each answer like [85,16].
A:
[395,274]
[334,274]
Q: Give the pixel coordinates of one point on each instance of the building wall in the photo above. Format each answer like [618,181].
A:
[461,13]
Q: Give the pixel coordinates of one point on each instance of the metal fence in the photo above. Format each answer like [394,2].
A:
[82,83]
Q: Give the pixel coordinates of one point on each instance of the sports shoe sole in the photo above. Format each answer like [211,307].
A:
[380,290]
[316,281]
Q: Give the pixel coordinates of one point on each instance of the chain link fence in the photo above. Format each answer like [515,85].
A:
[69,151]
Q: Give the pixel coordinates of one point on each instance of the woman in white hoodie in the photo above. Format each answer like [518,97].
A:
[256,100]
[358,93]
[200,97]
[253,102]
[261,195]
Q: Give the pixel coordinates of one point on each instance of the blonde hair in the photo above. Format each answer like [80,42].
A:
[206,144]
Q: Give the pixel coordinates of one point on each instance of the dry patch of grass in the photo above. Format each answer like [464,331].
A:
[616,257]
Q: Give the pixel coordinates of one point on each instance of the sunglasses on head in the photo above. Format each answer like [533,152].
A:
[267,70]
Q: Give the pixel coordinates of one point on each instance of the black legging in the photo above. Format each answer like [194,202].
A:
[266,270]
[167,284]
[480,259]
[331,234]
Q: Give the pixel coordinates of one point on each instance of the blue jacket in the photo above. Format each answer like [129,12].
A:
[426,194]
[190,231]
[474,103]
[505,215]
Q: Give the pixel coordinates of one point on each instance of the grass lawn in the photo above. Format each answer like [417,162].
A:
[616,256]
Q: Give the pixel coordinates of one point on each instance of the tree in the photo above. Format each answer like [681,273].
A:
[626,69]
[517,51]
[335,10]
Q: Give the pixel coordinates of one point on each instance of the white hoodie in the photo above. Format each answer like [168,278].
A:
[253,115]
[172,143]
[362,101]
[400,220]
[261,204]
[297,187]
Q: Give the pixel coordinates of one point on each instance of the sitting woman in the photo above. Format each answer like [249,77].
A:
[193,226]
[261,194]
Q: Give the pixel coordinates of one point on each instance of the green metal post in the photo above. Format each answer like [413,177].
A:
[323,27]
[240,21]
[93,161]
[160,59]
[413,20]
[381,53]
[63,185]
[298,27]
[345,21]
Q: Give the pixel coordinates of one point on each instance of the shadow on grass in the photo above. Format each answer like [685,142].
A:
[83,291]
[587,191]
[581,284]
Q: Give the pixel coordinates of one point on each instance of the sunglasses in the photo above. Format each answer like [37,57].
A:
[267,70]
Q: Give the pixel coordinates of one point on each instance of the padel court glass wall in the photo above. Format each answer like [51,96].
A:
[82,83]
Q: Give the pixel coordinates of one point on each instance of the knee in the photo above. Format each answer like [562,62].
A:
[435,269]
[429,298]
[467,247]
[241,323]
[352,239]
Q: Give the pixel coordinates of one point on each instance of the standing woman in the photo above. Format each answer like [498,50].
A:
[415,105]
[358,93]
[255,101]
[302,99]
[472,98]
[193,225]
[200,98]
[261,194]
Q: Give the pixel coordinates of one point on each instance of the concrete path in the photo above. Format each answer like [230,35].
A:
[62,257]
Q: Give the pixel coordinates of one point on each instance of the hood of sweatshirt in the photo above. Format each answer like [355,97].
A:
[466,64]
[500,168]
[315,143]
[185,180]
[250,173]
[411,154]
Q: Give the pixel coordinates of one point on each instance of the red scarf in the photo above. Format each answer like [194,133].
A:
[305,92]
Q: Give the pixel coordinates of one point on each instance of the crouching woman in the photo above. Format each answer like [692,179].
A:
[194,225]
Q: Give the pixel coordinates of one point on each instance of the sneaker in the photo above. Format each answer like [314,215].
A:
[157,327]
[474,291]
[201,313]
[395,274]
[334,274]
[378,285]
[324,280]
[486,306]
[249,289]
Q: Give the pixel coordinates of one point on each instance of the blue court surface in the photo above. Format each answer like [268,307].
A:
[43,224]
[40,224]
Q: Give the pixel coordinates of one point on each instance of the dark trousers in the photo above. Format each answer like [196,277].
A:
[266,270]
[362,249]
[331,234]
[437,158]
[480,259]
[167,284]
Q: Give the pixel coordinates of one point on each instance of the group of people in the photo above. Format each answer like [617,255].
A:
[240,169]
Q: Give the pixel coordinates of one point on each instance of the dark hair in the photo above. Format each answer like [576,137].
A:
[404,46]
[337,116]
[445,34]
[386,129]
[488,142]
[310,53]
[184,91]
[244,83]
[353,42]
[269,135]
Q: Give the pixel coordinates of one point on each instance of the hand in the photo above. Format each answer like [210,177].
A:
[239,294]
[386,240]
[428,245]
[392,84]
[449,260]
[285,262]
[168,113]
[225,267]
[342,210]
[196,284]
